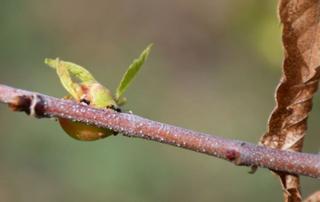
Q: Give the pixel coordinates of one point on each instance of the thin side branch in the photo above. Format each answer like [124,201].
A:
[238,152]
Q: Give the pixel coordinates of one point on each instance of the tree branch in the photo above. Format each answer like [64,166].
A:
[130,125]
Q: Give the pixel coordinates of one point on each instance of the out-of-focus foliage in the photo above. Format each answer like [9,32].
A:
[214,68]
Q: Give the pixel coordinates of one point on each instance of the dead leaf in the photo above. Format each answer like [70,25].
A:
[315,197]
[288,121]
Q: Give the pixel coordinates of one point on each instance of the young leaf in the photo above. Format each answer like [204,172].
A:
[64,77]
[98,95]
[76,70]
[131,73]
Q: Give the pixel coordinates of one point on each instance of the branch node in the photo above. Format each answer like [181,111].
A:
[233,155]
[21,103]
[32,105]
[37,107]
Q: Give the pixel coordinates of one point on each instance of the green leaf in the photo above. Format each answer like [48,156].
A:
[131,73]
[98,95]
[75,70]
[64,76]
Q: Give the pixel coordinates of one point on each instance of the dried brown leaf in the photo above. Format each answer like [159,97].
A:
[299,82]
[315,197]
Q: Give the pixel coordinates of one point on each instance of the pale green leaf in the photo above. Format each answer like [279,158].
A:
[75,70]
[64,77]
[131,73]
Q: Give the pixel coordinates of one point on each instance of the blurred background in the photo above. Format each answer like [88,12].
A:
[213,68]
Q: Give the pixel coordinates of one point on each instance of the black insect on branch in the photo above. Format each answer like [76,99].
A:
[130,125]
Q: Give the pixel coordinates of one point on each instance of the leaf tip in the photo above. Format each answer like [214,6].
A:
[51,62]
[147,51]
